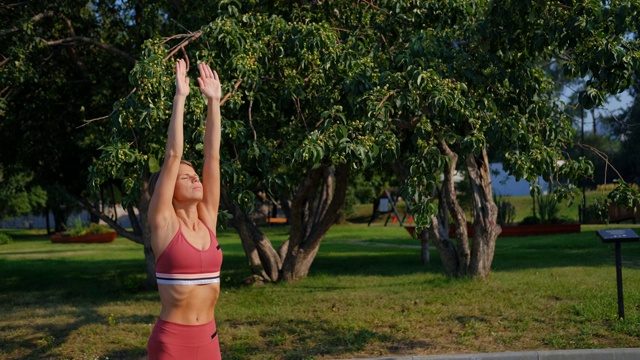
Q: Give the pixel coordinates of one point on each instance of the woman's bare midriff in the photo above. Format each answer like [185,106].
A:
[188,304]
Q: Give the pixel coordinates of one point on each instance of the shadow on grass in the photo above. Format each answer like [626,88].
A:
[64,295]
[516,253]
[41,338]
[305,339]
[84,280]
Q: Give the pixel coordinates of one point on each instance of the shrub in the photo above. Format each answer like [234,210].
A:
[530,220]
[547,208]
[5,239]
[78,229]
[596,213]
[506,211]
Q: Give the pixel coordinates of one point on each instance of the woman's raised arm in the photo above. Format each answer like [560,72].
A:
[210,87]
[161,208]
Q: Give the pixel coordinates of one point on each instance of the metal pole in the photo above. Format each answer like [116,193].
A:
[619,281]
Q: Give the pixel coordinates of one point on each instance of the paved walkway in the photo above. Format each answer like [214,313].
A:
[594,354]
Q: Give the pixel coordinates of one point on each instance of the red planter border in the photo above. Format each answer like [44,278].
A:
[92,238]
[521,230]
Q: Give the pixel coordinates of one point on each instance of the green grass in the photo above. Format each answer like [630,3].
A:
[81,301]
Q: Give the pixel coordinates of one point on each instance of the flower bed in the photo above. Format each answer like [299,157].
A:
[520,230]
[89,238]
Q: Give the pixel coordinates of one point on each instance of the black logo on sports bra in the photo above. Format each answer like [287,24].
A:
[214,334]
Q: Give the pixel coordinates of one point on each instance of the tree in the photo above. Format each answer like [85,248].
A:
[292,126]
[465,77]
[54,72]
[63,66]
[17,196]
[624,134]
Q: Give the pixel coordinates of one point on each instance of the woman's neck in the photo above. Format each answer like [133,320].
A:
[189,216]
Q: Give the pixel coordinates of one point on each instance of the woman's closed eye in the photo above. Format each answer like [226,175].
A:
[189,177]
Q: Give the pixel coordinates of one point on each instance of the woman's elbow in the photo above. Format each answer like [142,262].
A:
[173,155]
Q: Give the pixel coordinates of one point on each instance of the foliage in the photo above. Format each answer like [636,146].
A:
[18,195]
[55,82]
[492,81]
[275,62]
[625,194]
[62,66]
[78,228]
[5,239]
[506,211]
[625,132]
[547,205]
[596,213]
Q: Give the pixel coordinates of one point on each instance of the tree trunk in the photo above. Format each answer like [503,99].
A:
[457,257]
[424,247]
[46,217]
[486,228]
[145,227]
[59,219]
[263,259]
[314,209]
[137,238]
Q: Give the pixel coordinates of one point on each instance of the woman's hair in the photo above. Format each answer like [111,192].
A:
[153,180]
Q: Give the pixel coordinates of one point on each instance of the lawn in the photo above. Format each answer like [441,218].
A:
[567,210]
[367,295]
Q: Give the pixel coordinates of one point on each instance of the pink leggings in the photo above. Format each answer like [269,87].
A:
[171,341]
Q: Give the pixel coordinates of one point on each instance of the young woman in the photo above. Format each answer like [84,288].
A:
[182,213]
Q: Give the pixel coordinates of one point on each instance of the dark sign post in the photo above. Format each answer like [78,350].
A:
[618,236]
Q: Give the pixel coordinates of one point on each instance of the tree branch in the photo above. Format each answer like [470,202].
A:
[603,156]
[235,88]
[112,223]
[37,17]
[82,39]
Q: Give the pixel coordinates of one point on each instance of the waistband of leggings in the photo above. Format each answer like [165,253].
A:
[187,334]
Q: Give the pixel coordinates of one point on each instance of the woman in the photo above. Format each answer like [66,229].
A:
[182,214]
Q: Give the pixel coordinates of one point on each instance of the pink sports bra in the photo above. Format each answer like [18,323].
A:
[183,264]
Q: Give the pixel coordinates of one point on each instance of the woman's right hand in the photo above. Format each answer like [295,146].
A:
[209,82]
[182,81]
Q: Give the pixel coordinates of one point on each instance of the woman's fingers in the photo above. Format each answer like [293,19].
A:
[205,71]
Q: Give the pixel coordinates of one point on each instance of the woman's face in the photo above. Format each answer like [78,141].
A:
[188,185]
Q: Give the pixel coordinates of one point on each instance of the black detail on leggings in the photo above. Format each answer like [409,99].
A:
[214,334]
